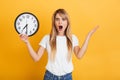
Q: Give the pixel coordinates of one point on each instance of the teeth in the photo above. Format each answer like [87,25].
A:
[60,27]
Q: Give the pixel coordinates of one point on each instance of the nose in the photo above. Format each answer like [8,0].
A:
[60,21]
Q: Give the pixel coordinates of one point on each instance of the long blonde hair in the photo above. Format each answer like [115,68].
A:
[53,34]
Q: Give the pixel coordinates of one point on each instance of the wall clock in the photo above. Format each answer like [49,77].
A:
[26,23]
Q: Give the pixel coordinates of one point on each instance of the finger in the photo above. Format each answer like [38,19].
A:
[96,27]
[26,37]
[20,35]
[23,35]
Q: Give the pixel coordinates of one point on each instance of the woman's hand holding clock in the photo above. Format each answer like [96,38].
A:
[24,38]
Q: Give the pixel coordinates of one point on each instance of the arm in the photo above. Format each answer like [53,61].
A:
[33,54]
[79,52]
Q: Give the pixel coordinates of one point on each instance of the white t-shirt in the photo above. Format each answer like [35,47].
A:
[61,65]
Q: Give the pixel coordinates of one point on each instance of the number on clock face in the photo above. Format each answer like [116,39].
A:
[26,23]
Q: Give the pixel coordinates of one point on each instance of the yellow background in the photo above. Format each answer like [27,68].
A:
[102,59]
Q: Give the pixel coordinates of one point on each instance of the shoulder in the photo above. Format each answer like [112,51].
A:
[75,40]
[74,36]
[46,37]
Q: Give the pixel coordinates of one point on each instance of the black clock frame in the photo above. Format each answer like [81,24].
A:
[30,14]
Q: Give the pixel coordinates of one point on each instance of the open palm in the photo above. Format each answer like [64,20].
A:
[92,31]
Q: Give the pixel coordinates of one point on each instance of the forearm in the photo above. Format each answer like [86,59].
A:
[83,49]
[33,54]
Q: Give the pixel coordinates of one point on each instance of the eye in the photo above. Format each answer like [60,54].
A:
[57,19]
[64,19]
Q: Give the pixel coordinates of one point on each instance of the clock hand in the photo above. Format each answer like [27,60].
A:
[24,27]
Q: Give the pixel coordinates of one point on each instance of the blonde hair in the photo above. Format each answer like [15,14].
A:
[53,34]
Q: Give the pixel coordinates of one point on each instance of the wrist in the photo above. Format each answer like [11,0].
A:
[27,42]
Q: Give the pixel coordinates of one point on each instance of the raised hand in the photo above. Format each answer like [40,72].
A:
[24,38]
[92,31]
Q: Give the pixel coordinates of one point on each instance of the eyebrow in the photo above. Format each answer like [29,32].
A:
[59,18]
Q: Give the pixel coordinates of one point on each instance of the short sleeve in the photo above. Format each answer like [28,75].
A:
[43,42]
[75,41]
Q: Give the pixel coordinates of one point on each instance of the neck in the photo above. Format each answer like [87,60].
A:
[61,34]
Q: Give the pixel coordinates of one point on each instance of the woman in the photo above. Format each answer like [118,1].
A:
[60,44]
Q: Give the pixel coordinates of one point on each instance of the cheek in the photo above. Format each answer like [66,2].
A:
[65,24]
[56,23]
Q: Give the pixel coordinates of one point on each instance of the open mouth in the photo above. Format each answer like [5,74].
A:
[60,27]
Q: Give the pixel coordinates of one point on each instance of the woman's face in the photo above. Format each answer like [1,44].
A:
[60,24]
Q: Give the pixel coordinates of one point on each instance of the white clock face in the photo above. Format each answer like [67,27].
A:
[26,23]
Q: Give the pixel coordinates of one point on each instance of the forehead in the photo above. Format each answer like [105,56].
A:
[60,15]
